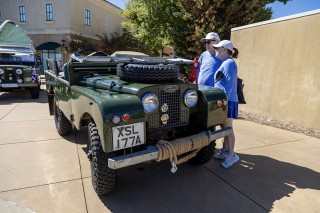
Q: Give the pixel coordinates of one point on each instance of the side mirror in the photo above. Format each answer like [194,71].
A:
[53,66]
[219,75]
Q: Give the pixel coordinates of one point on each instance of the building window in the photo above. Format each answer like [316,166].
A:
[22,13]
[49,12]
[108,25]
[87,17]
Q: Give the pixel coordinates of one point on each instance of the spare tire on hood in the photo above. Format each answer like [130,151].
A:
[148,72]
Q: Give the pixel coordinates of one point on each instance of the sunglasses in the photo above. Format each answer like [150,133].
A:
[208,42]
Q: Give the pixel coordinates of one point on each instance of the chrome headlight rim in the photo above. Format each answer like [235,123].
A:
[1,71]
[191,98]
[150,102]
[18,71]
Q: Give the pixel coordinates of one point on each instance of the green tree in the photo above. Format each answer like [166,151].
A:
[182,23]
[124,41]
[78,43]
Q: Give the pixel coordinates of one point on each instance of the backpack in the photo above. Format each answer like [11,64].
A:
[240,86]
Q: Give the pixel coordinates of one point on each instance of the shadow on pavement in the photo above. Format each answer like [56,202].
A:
[267,180]
[253,185]
[18,96]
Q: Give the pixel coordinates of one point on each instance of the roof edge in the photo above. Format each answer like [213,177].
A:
[285,18]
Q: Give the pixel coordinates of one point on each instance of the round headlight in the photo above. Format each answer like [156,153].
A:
[150,102]
[191,98]
[1,71]
[19,80]
[19,71]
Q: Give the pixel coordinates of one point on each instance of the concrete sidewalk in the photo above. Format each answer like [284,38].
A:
[43,172]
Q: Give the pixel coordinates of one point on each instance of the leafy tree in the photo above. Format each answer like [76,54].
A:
[124,41]
[182,23]
[79,42]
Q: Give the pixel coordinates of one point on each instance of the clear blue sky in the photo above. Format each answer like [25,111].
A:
[279,9]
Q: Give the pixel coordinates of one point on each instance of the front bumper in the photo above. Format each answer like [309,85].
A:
[152,152]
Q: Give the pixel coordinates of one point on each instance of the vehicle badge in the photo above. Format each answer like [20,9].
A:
[165,118]
[171,88]
[164,107]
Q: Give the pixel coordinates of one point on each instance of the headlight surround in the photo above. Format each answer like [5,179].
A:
[150,102]
[1,71]
[19,71]
[190,98]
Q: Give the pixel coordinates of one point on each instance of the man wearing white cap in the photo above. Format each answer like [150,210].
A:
[208,62]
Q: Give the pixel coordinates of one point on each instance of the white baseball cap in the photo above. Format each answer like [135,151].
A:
[211,36]
[224,43]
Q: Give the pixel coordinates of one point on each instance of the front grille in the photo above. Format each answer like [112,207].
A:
[9,75]
[176,115]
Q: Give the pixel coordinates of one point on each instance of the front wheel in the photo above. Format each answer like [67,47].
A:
[103,178]
[204,155]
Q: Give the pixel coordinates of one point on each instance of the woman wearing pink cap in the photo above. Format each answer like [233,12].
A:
[226,52]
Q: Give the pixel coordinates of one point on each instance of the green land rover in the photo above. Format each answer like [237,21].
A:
[17,60]
[136,110]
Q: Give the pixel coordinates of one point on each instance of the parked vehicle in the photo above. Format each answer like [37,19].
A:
[17,60]
[136,110]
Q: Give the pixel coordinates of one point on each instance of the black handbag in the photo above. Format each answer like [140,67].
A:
[240,86]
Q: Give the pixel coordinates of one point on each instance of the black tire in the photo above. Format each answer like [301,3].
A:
[63,125]
[103,178]
[204,155]
[148,73]
[35,92]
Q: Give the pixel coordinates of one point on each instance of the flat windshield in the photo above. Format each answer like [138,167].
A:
[16,46]
[18,58]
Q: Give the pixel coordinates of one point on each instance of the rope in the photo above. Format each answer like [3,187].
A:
[171,149]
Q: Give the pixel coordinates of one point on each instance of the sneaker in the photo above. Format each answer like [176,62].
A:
[230,160]
[222,154]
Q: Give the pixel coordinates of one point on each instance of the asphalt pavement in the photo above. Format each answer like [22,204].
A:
[41,171]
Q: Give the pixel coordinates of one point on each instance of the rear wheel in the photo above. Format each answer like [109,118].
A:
[204,155]
[63,125]
[103,178]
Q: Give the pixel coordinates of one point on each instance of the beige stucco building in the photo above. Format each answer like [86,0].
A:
[280,65]
[53,24]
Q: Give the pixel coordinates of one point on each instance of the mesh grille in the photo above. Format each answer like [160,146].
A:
[9,75]
[177,116]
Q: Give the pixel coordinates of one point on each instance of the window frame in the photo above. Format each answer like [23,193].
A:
[22,13]
[108,24]
[87,17]
[49,11]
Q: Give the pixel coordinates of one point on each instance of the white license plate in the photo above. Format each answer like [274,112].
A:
[128,136]
[9,85]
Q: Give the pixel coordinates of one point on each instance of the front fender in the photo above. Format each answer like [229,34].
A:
[102,106]
[209,114]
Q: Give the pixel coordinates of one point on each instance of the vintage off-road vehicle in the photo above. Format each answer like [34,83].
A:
[136,110]
[17,60]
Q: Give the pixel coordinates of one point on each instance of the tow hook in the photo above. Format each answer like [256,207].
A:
[89,155]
